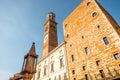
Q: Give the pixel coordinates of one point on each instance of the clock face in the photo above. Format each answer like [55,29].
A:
[45,38]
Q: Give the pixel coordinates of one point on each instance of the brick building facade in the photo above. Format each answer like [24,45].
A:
[93,40]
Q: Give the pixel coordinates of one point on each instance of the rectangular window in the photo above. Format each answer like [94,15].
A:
[61,62]
[72,57]
[52,67]
[116,56]
[45,71]
[105,40]
[86,77]
[74,79]
[73,71]
[59,77]
[98,63]
[55,78]
[102,73]
[67,35]
[86,50]
[65,76]
[38,74]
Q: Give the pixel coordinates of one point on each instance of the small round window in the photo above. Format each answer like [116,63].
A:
[94,14]
[82,37]
[88,3]
[67,35]
[65,25]
[98,26]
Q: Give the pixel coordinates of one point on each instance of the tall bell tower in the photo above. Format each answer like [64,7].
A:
[50,34]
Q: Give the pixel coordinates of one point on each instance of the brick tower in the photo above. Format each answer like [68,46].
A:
[92,42]
[50,34]
[29,64]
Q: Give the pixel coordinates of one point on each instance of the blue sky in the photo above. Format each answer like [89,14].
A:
[22,22]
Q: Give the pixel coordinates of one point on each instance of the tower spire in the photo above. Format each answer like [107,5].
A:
[29,64]
[32,51]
